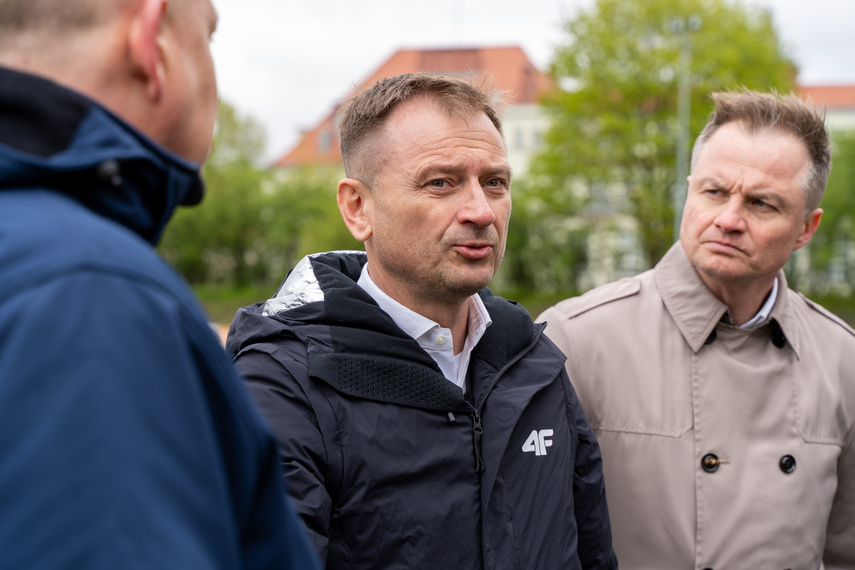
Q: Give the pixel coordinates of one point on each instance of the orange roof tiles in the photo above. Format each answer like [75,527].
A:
[511,71]
[832,96]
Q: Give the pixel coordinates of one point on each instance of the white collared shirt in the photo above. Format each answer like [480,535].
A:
[764,310]
[434,339]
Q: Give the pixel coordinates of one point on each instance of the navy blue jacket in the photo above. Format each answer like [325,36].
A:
[391,465]
[126,438]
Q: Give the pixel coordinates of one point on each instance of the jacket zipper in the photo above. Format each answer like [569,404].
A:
[477,429]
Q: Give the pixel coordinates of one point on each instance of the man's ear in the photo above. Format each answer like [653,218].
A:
[354,203]
[811,224]
[144,49]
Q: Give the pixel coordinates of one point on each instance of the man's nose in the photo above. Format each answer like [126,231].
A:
[476,208]
[731,218]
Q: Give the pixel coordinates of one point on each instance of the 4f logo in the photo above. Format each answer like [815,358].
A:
[537,442]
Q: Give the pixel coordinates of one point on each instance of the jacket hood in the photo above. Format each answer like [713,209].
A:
[52,137]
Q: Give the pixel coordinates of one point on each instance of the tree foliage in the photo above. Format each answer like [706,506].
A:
[253,224]
[832,249]
[610,153]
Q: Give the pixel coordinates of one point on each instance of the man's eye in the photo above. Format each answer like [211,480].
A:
[438,183]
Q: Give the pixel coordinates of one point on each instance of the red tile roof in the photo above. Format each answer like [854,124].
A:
[511,71]
[834,97]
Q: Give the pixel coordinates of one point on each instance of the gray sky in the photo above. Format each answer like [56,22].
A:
[286,63]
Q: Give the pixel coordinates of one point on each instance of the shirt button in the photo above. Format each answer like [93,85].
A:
[710,463]
[440,340]
[788,464]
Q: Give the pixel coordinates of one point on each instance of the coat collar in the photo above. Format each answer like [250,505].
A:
[695,309]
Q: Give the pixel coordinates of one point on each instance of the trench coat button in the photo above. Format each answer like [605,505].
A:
[788,464]
[710,463]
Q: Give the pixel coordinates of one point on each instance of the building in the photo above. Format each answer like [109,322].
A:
[839,103]
[516,80]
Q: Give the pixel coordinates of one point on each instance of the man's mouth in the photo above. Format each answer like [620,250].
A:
[474,250]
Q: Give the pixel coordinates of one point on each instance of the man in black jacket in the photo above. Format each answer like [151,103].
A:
[424,422]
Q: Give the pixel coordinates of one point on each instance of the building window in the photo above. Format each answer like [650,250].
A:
[324,141]
[519,139]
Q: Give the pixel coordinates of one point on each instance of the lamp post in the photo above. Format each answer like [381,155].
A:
[683,27]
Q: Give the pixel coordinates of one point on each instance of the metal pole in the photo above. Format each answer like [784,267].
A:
[684,91]
[683,114]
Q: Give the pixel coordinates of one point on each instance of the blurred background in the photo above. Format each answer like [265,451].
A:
[600,100]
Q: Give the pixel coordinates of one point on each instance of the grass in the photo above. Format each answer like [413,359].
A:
[221,303]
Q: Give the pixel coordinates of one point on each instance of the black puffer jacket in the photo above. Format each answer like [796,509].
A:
[390,465]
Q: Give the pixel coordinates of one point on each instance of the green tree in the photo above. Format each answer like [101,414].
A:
[210,243]
[300,216]
[832,249]
[254,224]
[609,156]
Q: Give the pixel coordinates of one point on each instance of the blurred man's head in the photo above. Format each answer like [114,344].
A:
[146,60]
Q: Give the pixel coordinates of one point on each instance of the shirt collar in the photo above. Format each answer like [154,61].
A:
[419,327]
[407,320]
[765,310]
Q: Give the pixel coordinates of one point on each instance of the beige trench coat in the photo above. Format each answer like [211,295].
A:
[721,448]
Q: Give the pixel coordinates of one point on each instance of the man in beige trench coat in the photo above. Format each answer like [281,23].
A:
[724,402]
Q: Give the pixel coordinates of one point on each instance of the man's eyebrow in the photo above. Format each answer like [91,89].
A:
[454,168]
[710,181]
[765,195]
[440,168]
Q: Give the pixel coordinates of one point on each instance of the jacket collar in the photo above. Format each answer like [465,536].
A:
[365,340]
[697,312]
[52,137]
[332,278]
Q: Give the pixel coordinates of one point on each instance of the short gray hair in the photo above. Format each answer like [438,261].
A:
[25,16]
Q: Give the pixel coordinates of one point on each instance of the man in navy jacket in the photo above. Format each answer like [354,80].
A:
[126,438]
[424,422]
